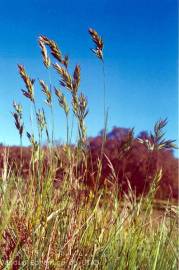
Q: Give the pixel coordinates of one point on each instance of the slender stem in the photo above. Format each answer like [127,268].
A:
[21,165]
[104,90]
[51,108]
[67,129]
[39,147]
[147,173]
[21,147]
[72,126]
[35,110]
[104,108]
[105,122]
[53,125]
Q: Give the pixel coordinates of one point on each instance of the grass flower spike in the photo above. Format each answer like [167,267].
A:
[62,101]
[46,91]
[46,59]
[18,118]
[98,42]
[28,83]
[55,51]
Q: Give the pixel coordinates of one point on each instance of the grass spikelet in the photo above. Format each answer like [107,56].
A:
[65,61]
[41,119]
[18,118]
[156,140]
[76,78]
[33,142]
[55,51]
[80,110]
[28,83]
[62,101]
[47,93]
[66,80]
[46,59]
[98,51]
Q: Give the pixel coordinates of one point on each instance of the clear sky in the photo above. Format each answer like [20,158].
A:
[140,38]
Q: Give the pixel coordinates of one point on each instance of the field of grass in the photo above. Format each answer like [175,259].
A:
[70,225]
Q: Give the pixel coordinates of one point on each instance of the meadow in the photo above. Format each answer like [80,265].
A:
[108,202]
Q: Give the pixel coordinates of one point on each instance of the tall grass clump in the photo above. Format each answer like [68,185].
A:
[69,225]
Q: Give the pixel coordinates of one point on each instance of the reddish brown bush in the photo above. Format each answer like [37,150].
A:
[132,161]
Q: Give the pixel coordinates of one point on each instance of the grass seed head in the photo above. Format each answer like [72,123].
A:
[28,83]
[66,80]
[83,105]
[46,91]
[62,101]
[76,79]
[46,59]
[32,141]
[55,51]
[18,108]
[18,118]
[18,124]
[41,119]
[157,140]
[65,61]
[98,51]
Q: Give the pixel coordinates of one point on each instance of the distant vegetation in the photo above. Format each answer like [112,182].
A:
[107,202]
[131,161]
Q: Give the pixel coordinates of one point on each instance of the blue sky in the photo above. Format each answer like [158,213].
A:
[140,59]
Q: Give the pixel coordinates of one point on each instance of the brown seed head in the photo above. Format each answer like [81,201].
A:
[83,105]
[18,118]
[28,82]
[98,42]
[65,61]
[62,101]
[76,78]
[44,39]
[47,92]
[66,80]
[55,51]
